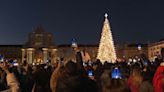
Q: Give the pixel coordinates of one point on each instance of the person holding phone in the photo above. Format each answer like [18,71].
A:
[79,60]
[85,57]
[11,80]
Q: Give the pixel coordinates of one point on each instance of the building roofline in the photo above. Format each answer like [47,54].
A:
[8,45]
[79,45]
[156,43]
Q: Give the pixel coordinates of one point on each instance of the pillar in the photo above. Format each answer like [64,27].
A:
[23,55]
[30,55]
[45,54]
[53,55]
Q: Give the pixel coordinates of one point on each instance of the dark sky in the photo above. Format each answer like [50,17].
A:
[131,20]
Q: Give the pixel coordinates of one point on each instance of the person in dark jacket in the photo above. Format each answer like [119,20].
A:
[79,61]
[70,80]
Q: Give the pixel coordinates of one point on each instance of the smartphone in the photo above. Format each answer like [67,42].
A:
[15,64]
[1,58]
[90,73]
[145,63]
[116,73]
[74,43]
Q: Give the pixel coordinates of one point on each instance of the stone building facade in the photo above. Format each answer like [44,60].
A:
[155,49]
[126,51]
[39,47]
[67,52]
[130,51]
[11,51]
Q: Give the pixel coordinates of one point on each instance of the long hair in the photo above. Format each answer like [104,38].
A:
[136,76]
[118,85]
[106,80]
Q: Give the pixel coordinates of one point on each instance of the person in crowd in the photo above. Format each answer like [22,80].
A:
[98,70]
[135,79]
[12,82]
[124,70]
[42,79]
[146,84]
[79,60]
[158,79]
[72,77]
[118,85]
[55,75]
[27,78]
[110,84]
[2,80]
[105,80]
[70,80]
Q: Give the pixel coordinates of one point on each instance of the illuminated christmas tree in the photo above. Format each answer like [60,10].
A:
[106,50]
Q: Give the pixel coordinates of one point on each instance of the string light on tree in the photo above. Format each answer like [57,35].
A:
[106,50]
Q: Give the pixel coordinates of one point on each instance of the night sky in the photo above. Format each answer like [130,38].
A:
[132,21]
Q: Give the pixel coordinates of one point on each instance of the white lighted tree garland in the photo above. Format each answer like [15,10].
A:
[106,50]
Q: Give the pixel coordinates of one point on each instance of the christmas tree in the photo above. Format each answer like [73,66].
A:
[106,50]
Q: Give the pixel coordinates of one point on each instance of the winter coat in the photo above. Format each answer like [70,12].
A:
[158,79]
[133,88]
[146,86]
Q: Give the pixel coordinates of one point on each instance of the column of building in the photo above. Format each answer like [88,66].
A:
[30,55]
[45,54]
[23,55]
[53,56]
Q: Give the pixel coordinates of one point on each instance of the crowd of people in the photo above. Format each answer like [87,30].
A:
[79,76]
